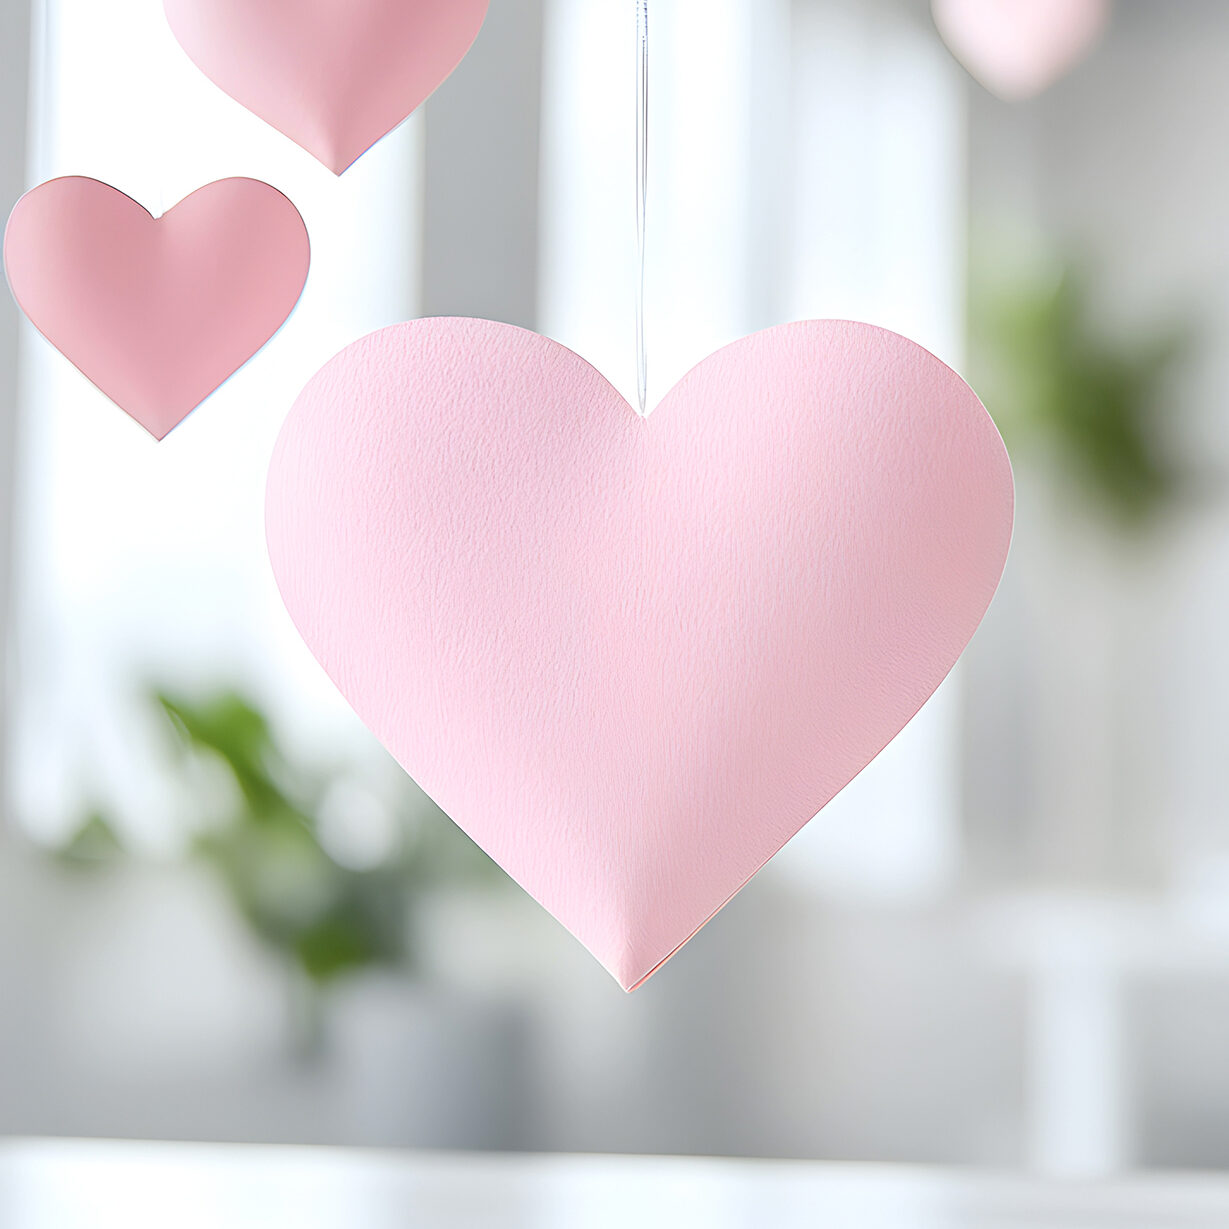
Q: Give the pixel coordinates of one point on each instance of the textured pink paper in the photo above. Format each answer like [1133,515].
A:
[1018,48]
[156,312]
[632,658]
[333,75]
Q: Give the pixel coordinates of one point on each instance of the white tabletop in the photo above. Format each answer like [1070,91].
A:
[74,1185]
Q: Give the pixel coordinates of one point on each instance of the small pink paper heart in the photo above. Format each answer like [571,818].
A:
[632,658]
[157,312]
[1018,48]
[334,75]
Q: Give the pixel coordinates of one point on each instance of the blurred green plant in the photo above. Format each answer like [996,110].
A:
[260,831]
[93,844]
[1050,378]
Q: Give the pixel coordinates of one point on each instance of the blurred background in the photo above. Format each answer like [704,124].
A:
[226,915]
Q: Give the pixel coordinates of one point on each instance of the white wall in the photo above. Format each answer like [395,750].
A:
[1114,652]
[14,91]
[1099,703]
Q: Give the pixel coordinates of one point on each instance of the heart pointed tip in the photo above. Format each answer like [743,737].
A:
[630,972]
[339,166]
[332,156]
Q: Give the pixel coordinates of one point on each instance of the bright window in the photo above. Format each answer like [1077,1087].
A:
[141,562]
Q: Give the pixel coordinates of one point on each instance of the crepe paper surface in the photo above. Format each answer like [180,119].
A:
[157,312]
[333,75]
[1018,48]
[633,657]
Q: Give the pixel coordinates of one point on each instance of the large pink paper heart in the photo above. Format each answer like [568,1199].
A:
[157,312]
[1017,48]
[333,75]
[630,657]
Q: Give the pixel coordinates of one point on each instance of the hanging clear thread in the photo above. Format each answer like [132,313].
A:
[642,197]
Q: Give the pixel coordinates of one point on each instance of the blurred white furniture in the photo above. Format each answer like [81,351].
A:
[1081,953]
[47,1185]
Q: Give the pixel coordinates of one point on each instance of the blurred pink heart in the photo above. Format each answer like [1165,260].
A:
[157,312]
[333,75]
[632,658]
[1017,48]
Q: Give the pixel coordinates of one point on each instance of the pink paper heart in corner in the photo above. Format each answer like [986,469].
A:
[1018,48]
[333,75]
[157,312]
[632,658]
